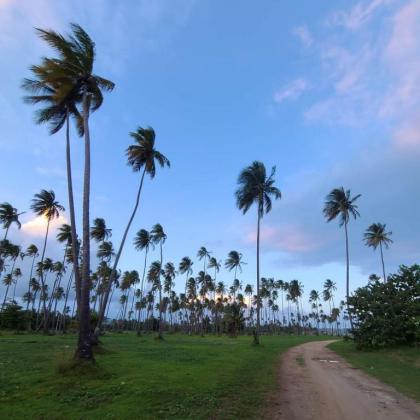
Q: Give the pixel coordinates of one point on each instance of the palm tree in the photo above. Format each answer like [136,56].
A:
[44,204]
[339,203]
[256,187]
[143,241]
[203,254]
[234,261]
[141,156]
[185,267]
[31,251]
[158,238]
[213,263]
[9,215]
[375,236]
[99,232]
[54,87]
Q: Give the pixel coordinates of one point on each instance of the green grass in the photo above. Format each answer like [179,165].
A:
[398,367]
[138,377]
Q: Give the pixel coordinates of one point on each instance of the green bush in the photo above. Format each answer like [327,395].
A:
[12,317]
[387,314]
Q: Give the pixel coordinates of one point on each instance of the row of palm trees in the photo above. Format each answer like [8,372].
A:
[204,301]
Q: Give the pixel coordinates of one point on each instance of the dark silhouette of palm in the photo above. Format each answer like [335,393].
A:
[255,187]
[376,235]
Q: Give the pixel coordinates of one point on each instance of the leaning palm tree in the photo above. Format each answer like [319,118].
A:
[376,235]
[256,187]
[159,238]
[185,267]
[339,203]
[9,215]
[44,204]
[142,157]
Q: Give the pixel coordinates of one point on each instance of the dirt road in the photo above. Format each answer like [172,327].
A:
[317,384]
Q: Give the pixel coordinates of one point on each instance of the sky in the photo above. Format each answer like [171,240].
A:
[328,92]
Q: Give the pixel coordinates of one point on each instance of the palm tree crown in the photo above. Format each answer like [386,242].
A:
[256,187]
[9,215]
[143,152]
[339,203]
[376,235]
[99,232]
[45,204]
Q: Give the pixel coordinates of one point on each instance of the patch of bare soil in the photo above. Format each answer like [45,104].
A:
[317,384]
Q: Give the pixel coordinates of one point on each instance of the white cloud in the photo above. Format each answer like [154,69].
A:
[303,33]
[38,225]
[291,91]
[358,15]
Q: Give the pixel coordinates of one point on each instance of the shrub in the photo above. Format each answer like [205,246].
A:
[387,314]
[12,317]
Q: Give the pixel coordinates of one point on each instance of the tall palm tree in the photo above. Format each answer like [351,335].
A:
[9,215]
[31,251]
[159,238]
[254,186]
[185,267]
[142,157]
[376,235]
[143,241]
[51,87]
[213,263]
[72,73]
[203,254]
[44,204]
[339,203]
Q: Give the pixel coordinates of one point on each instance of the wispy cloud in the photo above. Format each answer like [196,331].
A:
[304,35]
[291,91]
[361,13]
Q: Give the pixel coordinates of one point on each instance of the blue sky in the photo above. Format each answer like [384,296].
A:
[326,91]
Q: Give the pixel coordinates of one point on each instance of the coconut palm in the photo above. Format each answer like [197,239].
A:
[8,216]
[31,251]
[254,186]
[203,254]
[339,203]
[45,205]
[234,261]
[185,267]
[99,232]
[376,235]
[142,157]
[213,263]
[143,241]
[158,238]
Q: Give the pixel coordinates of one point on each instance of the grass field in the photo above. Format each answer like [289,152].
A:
[139,377]
[398,367]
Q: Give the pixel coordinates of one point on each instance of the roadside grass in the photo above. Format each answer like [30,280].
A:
[398,367]
[139,377]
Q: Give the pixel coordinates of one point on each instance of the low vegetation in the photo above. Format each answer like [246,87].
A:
[180,377]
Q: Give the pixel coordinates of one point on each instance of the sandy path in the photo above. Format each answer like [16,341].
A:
[317,384]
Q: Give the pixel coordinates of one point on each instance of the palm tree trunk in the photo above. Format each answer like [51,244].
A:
[74,243]
[160,294]
[382,259]
[5,297]
[117,258]
[42,276]
[348,274]
[30,278]
[257,328]
[67,296]
[84,347]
